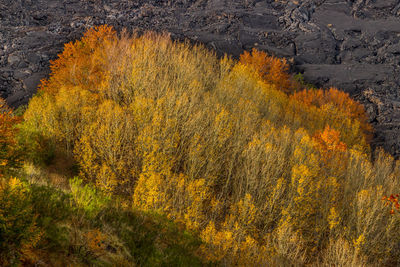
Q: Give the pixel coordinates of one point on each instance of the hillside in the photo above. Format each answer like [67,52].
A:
[138,150]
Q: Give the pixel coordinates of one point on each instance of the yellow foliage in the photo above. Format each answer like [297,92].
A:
[359,242]
[333,218]
[220,147]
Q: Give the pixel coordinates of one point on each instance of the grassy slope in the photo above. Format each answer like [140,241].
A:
[83,227]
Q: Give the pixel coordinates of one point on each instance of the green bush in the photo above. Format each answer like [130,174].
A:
[87,198]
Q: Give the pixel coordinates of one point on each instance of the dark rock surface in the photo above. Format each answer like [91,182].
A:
[351,44]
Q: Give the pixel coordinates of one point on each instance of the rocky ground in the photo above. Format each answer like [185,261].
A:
[351,44]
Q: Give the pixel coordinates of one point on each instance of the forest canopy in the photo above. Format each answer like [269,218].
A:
[262,169]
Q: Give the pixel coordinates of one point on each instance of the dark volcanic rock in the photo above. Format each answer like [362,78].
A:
[351,44]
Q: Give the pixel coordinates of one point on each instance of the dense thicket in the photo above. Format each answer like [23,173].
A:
[264,172]
[46,220]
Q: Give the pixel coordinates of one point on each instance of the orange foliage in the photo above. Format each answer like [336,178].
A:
[81,64]
[339,100]
[273,70]
[8,157]
[96,242]
[332,149]
[329,141]
[393,202]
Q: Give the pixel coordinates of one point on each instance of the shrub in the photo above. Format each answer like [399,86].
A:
[87,198]
[19,233]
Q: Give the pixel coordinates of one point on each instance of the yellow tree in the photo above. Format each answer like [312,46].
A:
[106,149]
[311,213]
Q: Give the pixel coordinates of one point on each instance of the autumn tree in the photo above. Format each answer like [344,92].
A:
[340,101]
[226,148]
[272,69]
[9,155]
